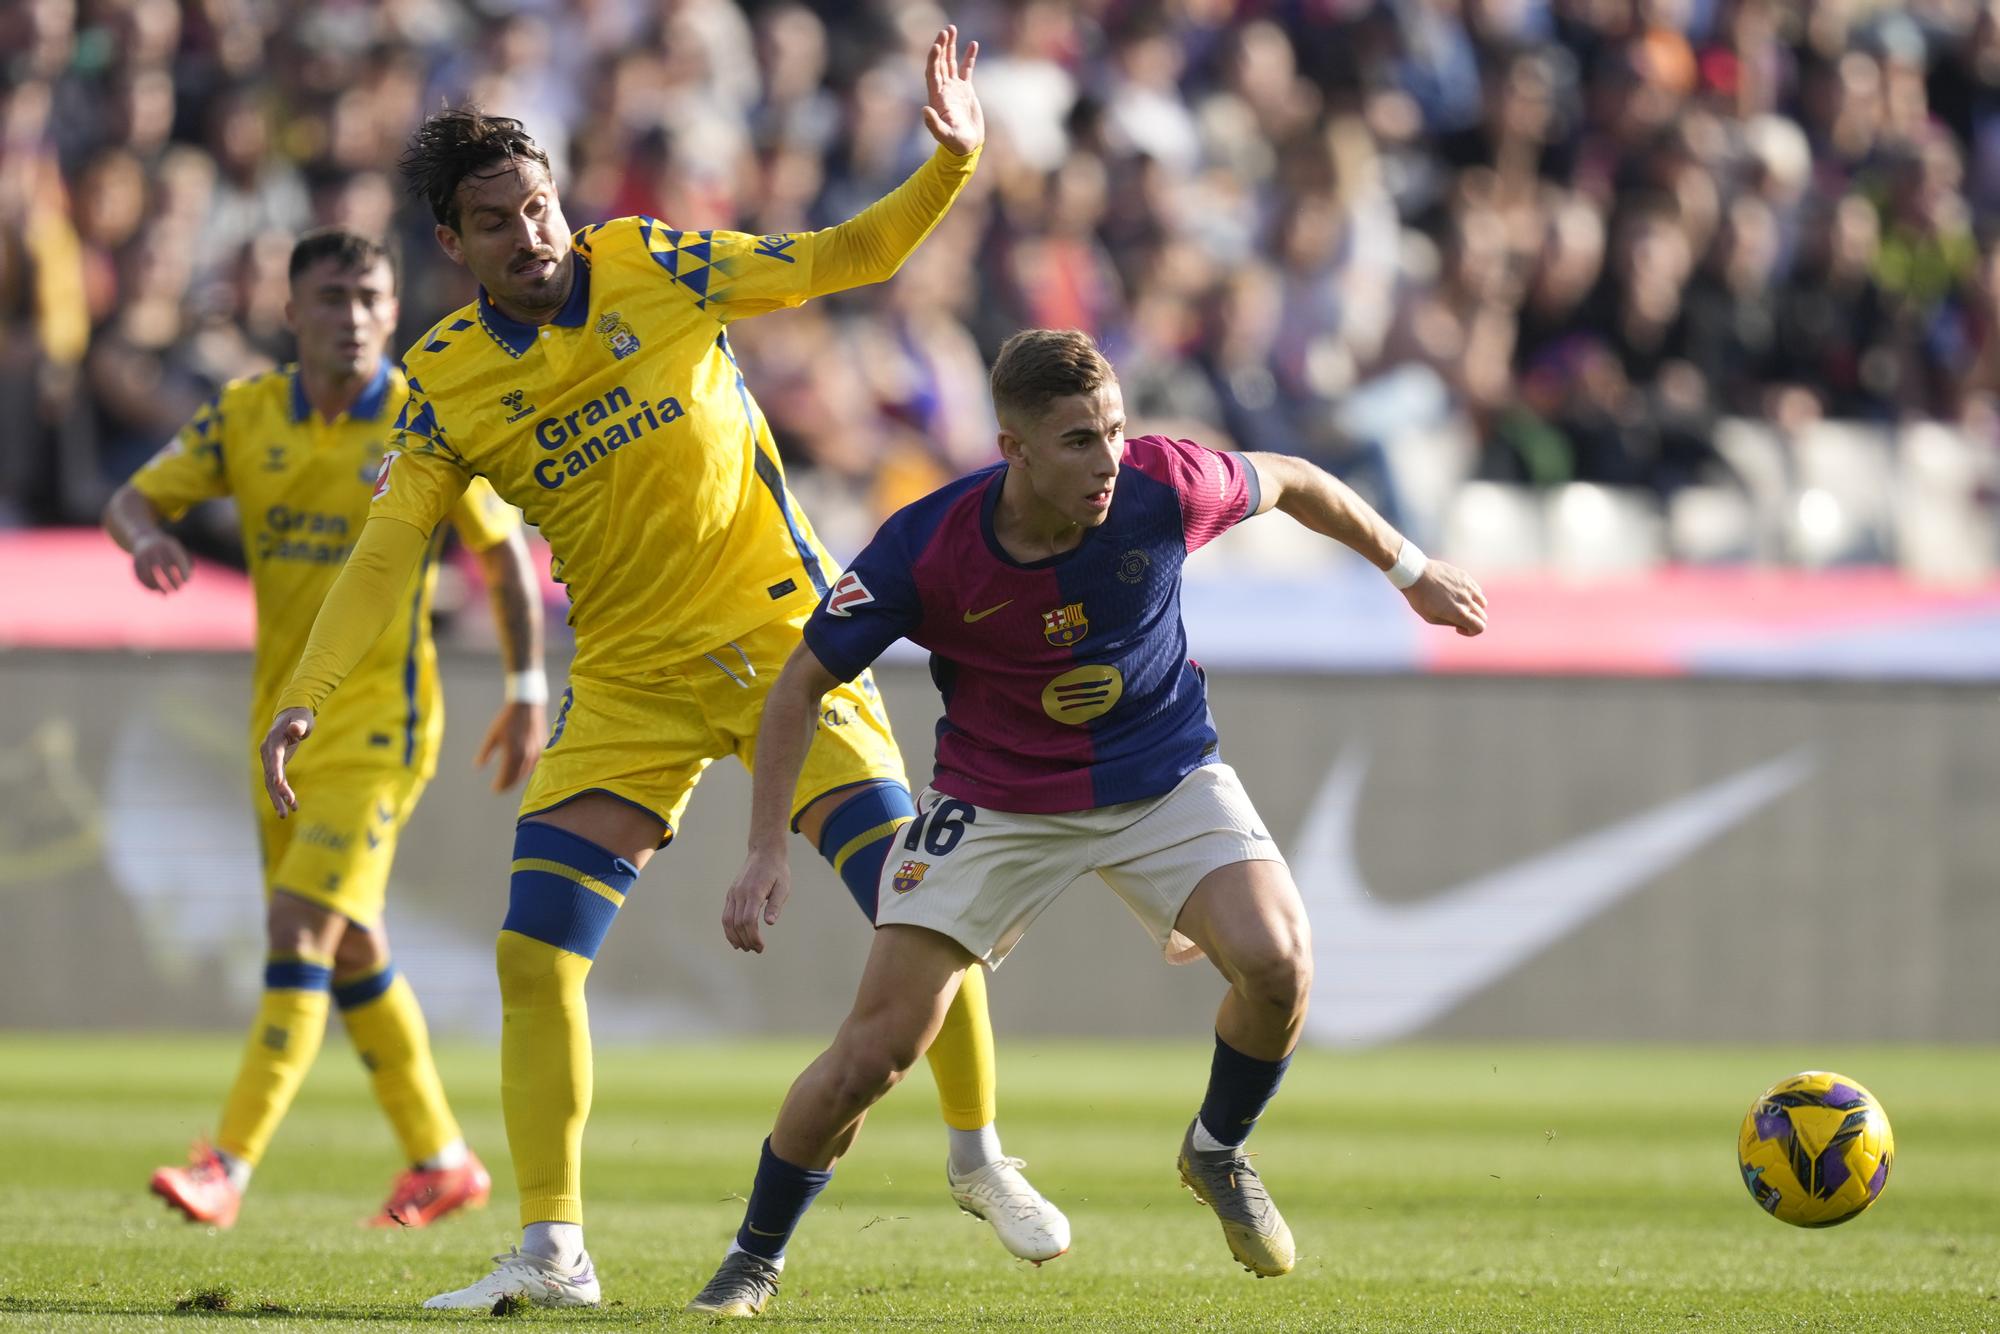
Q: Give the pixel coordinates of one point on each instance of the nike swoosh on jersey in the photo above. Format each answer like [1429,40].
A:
[972,616]
[1384,970]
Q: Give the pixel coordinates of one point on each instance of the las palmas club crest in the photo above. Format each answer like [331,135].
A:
[909,875]
[618,335]
[1065,625]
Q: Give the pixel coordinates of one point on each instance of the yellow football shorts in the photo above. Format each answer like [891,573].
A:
[648,740]
[336,849]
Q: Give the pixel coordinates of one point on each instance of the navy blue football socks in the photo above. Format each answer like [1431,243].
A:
[778,1200]
[1239,1087]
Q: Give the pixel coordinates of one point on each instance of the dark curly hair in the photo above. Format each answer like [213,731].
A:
[459,142]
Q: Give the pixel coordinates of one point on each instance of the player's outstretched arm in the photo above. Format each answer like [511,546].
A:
[1439,592]
[159,561]
[516,732]
[358,608]
[784,735]
[872,245]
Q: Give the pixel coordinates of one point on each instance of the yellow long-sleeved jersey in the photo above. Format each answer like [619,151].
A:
[302,486]
[624,432]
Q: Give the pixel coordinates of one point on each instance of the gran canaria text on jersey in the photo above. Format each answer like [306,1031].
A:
[553,433]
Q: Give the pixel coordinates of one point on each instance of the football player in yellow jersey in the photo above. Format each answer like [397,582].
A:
[592,383]
[300,450]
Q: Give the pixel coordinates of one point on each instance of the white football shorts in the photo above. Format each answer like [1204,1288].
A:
[982,876]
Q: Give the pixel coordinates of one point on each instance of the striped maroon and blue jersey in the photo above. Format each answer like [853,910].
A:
[1066,681]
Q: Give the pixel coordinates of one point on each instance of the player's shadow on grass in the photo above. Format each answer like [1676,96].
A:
[205,1305]
[279,1314]
[276,1313]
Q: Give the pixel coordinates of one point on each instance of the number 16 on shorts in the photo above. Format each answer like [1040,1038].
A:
[938,830]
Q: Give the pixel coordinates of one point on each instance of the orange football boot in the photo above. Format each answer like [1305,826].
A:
[201,1190]
[421,1196]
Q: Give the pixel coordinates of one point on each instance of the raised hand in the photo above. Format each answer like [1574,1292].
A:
[953,116]
[288,729]
[1447,595]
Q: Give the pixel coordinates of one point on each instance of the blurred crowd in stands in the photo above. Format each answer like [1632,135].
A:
[1583,231]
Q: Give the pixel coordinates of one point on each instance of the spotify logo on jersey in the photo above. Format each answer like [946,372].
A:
[1082,693]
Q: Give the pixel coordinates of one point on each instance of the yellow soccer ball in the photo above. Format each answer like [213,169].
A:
[1815,1149]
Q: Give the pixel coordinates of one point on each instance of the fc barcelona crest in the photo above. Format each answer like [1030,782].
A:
[1065,625]
[909,875]
[617,334]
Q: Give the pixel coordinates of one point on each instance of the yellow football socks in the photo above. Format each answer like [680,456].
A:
[962,1057]
[564,894]
[545,1074]
[387,1028]
[284,1040]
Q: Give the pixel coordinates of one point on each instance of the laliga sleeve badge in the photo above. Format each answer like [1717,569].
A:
[847,594]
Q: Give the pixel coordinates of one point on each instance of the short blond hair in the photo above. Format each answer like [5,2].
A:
[1037,366]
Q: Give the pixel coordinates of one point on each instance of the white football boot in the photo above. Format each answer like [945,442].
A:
[1028,1225]
[526,1278]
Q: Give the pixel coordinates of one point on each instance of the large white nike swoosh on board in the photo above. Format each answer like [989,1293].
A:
[1384,970]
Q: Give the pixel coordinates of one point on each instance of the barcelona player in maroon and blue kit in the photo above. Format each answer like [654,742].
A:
[1035,658]
[1076,738]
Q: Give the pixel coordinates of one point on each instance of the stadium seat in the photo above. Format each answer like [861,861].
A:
[1430,463]
[1845,475]
[1493,527]
[1756,455]
[1712,525]
[1599,530]
[1944,533]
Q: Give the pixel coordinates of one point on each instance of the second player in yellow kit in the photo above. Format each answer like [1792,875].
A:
[300,450]
[302,486]
[593,384]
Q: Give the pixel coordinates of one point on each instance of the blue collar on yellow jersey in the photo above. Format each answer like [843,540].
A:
[517,337]
[366,408]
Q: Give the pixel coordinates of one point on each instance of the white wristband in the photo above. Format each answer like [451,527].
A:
[1409,566]
[529,687]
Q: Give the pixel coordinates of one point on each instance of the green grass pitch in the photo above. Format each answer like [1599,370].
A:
[1431,1188]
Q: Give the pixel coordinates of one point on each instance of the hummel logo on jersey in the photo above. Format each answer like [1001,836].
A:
[972,616]
[514,404]
[848,594]
[274,458]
